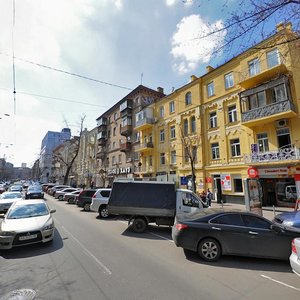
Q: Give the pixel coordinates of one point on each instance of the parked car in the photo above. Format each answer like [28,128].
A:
[7,199]
[213,234]
[72,197]
[16,188]
[99,202]
[55,188]
[34,192]
[84,199]
[59,194]
[289,219]
[26,222]
[2,188]
[295,256]
[45,186]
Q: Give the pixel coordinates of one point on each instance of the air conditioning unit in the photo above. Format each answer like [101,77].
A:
[281,123]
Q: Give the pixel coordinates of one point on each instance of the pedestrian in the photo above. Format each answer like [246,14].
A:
[209,197]
[203,196]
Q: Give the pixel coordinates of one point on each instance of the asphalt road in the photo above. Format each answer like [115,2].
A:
[102,259]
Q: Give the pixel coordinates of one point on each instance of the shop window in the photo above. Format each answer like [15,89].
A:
[238,185]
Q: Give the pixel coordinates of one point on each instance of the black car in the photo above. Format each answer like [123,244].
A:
[84,199]
[213,234]
[34,192]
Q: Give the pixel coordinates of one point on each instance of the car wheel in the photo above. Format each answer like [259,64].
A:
[103,212]
[139,225]
[87,207]
[60,198]
[209,250]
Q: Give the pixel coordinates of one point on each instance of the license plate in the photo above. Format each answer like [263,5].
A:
[27,237]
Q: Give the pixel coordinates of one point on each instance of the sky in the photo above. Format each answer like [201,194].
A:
[115,44]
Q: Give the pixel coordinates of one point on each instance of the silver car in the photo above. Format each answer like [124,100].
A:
[295,256]
[7,199]
[26,222]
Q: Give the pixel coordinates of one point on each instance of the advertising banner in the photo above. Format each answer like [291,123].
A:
[226,182]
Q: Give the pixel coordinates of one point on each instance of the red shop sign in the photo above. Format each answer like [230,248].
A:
[252,172]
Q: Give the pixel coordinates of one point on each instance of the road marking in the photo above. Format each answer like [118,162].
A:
[103,268]
[282,283]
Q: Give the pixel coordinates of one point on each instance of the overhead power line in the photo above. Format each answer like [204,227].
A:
[68,73]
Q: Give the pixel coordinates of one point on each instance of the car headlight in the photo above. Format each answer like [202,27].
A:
[48,227]
[7,233]
[288,223]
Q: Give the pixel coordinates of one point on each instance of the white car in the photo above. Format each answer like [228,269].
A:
[26,222]
[99,202]
[295,256]
[8,198]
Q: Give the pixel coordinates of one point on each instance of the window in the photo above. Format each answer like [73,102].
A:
[232,114]
[190,200]
[193,124]
[284,138]
[161,111]
[215,151]
[254,67]
[185,127]
[113,161]
[256,222]
[229,80]
[173,157]
[228,219]
[162,159]
[114,145]
[186,155]
[136,137]
[238,185]
[172,132]
[280,93]
[273,58]
[150,161]
[120,158]
[114,132]
[213,120]
[210,89]
[115,116]
[263,143]
[194,153]
[188,98]
[172,107]
[235,147]
[162,135]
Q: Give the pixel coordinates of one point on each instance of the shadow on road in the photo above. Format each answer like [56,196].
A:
[152,233]
[245,263]
[34,249]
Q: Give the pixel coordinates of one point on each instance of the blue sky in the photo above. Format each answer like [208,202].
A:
[114,41]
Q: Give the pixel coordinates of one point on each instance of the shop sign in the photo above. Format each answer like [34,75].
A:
[183,180]
[226,182]
[274,172]
[208,180]
[252,172]
[119,171]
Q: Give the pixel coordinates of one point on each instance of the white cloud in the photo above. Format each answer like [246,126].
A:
[190,47]
[170,2]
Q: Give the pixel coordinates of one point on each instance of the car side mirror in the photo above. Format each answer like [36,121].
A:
[276,228]
[2,216]
[52,211]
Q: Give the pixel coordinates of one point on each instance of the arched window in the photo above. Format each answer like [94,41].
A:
[185,127]
[193,124]
[188,98]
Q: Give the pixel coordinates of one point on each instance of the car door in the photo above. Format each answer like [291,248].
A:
[229,229]
[264,241]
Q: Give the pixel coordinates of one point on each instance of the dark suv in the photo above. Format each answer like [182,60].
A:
[84,199]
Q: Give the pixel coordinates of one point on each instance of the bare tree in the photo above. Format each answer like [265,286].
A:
[74,146]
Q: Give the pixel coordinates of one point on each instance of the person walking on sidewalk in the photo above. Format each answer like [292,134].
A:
[209,197]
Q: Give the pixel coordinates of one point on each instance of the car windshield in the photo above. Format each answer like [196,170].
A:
[28,211]
[11,196]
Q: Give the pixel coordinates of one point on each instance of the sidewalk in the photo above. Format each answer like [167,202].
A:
[268,211]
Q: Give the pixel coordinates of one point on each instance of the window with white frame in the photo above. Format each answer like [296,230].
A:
[254,67]
[173,157]
[273,58]
[162,135]
[113,160]
[213,119]
[229,82]
[210,89]
[172,132]
[235,147]
[162,111]
[172,107]
[193,124]
[188,98]
[263,142]
[162,159]
[232,114]
[280,93]
[215,151]
[136,136]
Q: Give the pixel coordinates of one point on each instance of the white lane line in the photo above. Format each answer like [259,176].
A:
[102,267]
[282,283]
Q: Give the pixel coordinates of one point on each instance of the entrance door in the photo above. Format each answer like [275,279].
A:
[218,188]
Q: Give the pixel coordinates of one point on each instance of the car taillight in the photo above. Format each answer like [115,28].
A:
[180,226]
[294,250]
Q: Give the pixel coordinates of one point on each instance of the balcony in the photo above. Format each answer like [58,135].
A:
[102,123]
[126,130]
[145,147]
[143,169]
[126,108]
[144,123]
[125,147]
[280,155]
[101,155]
[268,113]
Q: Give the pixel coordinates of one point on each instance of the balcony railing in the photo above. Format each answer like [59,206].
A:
[126,146]
[144,123]
[271,156]
[268,110]
[145,146]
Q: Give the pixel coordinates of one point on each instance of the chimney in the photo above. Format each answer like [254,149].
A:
[209,69]
[193,77]
[160,90]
